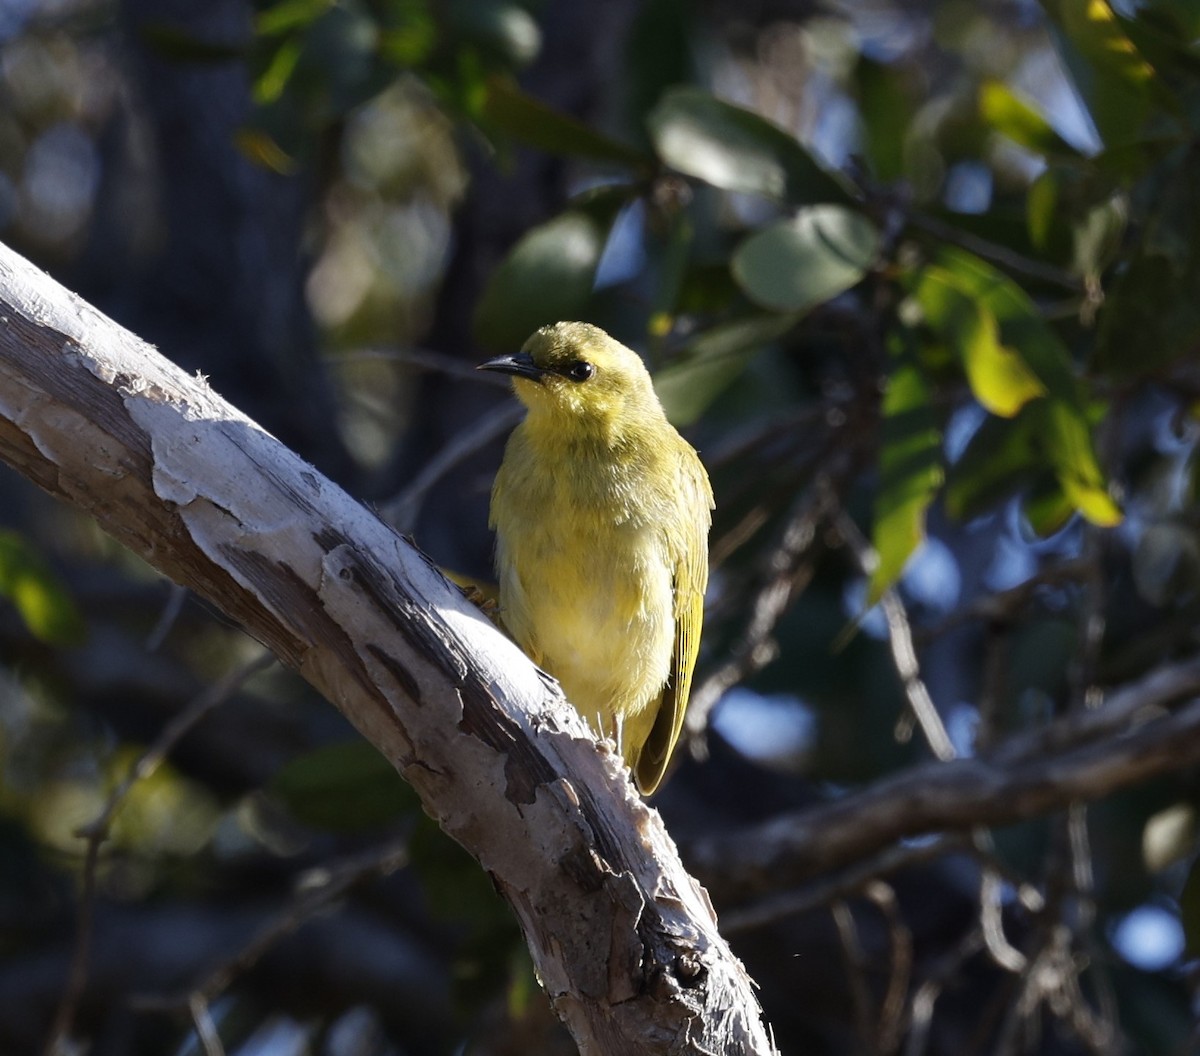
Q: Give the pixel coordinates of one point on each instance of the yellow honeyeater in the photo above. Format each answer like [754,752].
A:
[602,511]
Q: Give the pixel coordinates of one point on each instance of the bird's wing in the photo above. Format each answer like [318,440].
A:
[690,552]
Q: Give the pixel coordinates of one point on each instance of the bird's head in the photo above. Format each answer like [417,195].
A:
[577,370]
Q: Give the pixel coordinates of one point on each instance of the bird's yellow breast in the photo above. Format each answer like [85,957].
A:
[586,587]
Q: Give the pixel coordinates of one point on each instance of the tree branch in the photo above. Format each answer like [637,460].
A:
[623,939]
[1025,777]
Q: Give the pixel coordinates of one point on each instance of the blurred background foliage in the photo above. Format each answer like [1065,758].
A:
[918,277]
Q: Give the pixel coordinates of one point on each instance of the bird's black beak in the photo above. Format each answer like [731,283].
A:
[520,365]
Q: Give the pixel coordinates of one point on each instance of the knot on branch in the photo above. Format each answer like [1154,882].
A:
[690,969]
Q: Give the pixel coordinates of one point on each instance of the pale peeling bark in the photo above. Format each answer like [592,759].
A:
[624,940]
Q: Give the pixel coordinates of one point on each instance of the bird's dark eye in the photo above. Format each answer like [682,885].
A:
[580,370]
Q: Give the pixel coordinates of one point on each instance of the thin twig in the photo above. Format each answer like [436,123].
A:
[904,655]
[1052,977]
[98,830]
[1082,672]
[174,731]
[206,1029]
[944,970]
[982,848]
[850,881]
[64,1016]
[891,1011]
[900,638]
[784,571]
[316,889]
[1002,255]
[854,961]
[176,596]
[402,511]
[781,581]
[1082,873]
[991,923]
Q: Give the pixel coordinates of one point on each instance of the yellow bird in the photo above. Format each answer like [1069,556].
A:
[601,511]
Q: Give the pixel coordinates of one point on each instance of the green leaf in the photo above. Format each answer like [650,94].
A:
[1041,204]
[1006,112]
[1021,324]
[1075,217]
[279,69]
[343,787]
[535,124]
[1060,418]
[1096,236]
[289,15]
[1068,436]
[40,598]
[317,62]
[410,44]
[999,377]
[1165,32]
[1094,28]
[736,150]
[1118,85]
[796,264]
[409,32]
[547,277]
[910,470]
[712,361]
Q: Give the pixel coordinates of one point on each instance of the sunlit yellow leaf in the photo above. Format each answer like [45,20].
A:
[1069,439]
[1120,89]
[998,375]
[259,147]
[1057,417]
[1006,112]
[39,597]
[1096,32]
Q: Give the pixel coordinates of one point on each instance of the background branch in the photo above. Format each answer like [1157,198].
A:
[963,794]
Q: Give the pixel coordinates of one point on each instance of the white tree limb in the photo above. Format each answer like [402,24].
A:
[625,942]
